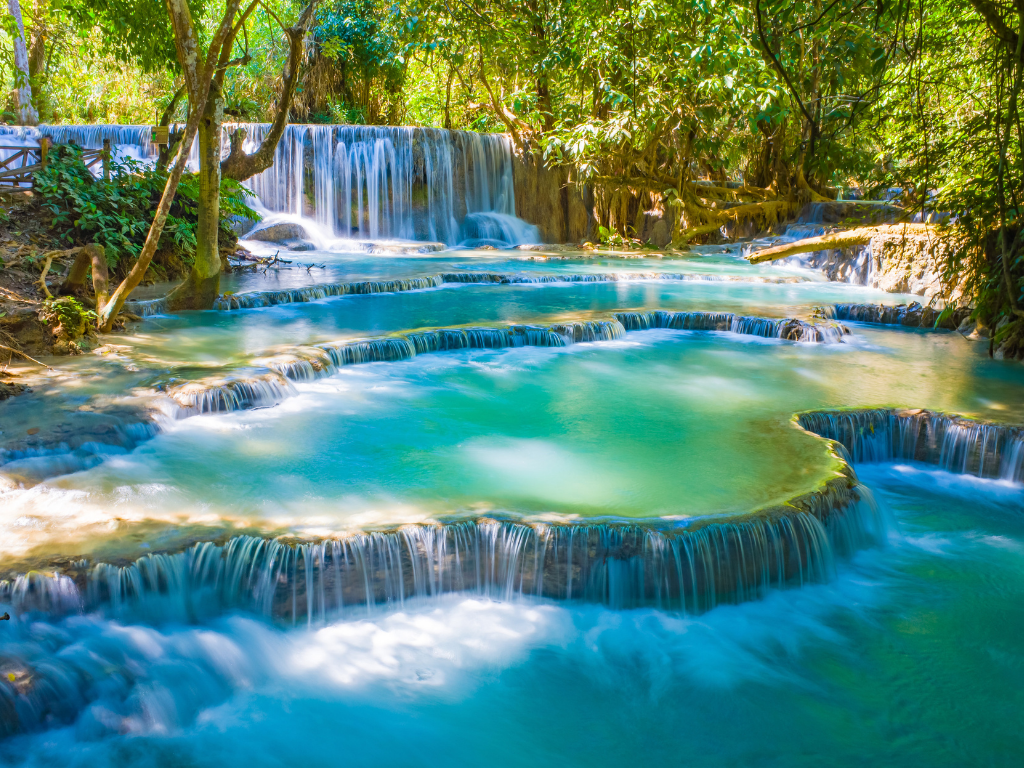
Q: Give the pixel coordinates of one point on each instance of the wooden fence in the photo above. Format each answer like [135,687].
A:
[17,169]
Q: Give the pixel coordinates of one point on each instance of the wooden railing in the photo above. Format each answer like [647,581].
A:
[16,171]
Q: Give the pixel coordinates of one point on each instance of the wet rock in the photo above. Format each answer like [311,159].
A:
[973,329]
[10,389]
[299,245]
[912,315]
[661,234]
[282,232]
[545,197]
[240,225]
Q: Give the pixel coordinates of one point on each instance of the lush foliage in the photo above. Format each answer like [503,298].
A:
[796,99]
[115,212]
[358,64]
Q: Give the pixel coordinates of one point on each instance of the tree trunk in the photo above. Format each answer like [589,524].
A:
[203,283]
[448,98]
[847,239]
[241,166]
[37,53]
[89,256]
[198,78]
[27,114]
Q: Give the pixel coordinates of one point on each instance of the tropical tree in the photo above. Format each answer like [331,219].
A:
[198,71]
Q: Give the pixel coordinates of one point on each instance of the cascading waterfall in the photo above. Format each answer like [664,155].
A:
[258,299]
[232,394]
[689,569]
[791,329]
[954,443]
[308,363]
[370,182]
[361,182]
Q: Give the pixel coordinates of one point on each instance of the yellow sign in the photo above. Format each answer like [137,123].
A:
[160,134]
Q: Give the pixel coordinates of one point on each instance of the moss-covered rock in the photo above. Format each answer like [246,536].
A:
[68,322]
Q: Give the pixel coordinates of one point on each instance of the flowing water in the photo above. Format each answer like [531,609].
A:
[514,507]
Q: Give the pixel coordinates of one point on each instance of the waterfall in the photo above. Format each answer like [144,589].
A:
[359,182]
[229,394]
[912,315]
[314,362]
[791,329]
[373,182]
[954,443]
[689,569]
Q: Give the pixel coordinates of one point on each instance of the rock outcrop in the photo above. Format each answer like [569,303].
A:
[545,197]
[897,258]
[281,232]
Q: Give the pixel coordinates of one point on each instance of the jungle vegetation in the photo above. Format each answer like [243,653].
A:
[769,104]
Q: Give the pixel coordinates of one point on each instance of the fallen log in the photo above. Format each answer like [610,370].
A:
[845,239]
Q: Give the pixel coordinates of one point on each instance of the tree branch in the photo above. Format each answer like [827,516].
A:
[239,165]
[778,66]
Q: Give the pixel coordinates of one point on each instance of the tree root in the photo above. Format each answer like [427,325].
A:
[711,192]
[767,213]
[46,269]
[847,239]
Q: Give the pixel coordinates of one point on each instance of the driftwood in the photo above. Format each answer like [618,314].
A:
[845,239]
[19,353]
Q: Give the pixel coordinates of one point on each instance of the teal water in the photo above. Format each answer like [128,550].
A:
[659,424]
[908,656]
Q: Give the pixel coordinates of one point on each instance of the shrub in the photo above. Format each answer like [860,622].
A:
[116,212]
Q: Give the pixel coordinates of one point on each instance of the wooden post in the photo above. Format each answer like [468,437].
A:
[106,159]
[44,151]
